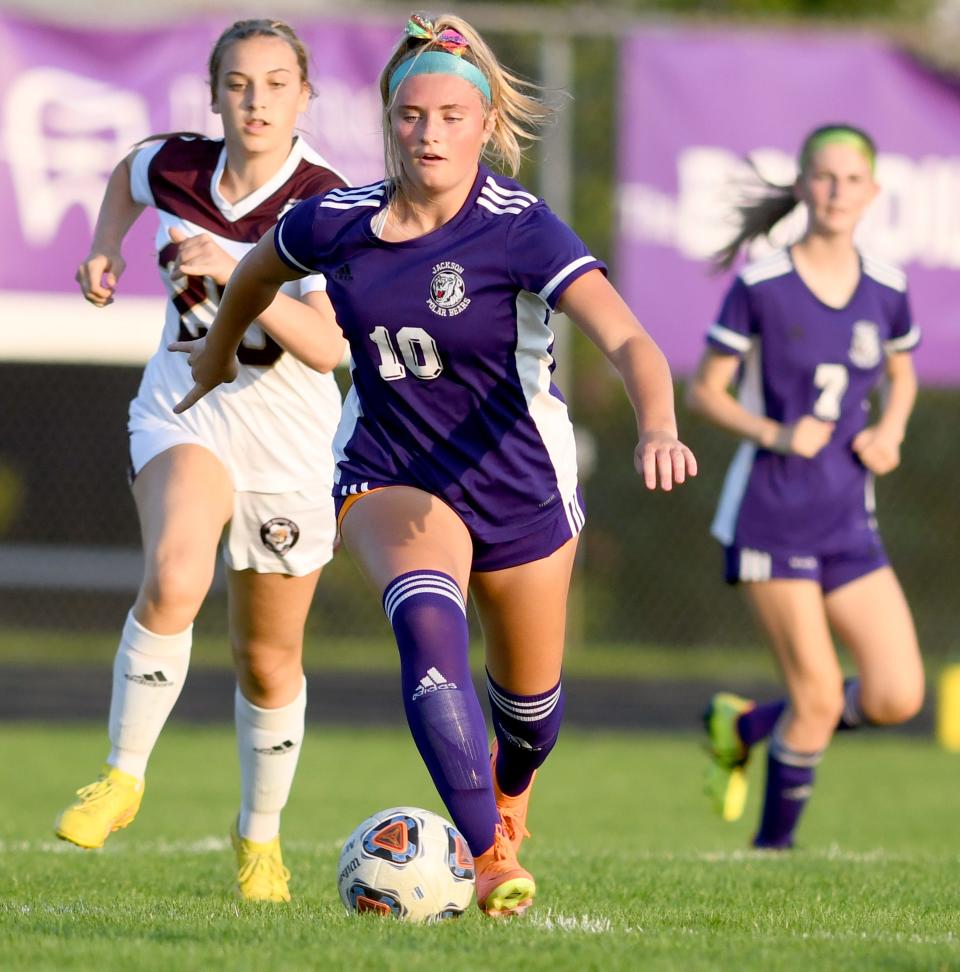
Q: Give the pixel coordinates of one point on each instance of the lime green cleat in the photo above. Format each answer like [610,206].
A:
[261,875]
[726,780]
[107,805]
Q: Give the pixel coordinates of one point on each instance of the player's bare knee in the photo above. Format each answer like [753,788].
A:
[893,705]
[174,586]
[266,670]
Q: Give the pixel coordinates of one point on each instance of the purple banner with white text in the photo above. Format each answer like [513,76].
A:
[73,102]
[694,104]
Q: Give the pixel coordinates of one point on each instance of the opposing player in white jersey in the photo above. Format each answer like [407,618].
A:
[456,465]
[810,332]
[254,458]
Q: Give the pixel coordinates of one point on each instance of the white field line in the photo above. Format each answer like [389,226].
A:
[217,844]
[203,845]
[544,920]
[551,920]
[878,855]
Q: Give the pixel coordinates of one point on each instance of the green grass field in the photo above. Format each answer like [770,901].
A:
[633,872]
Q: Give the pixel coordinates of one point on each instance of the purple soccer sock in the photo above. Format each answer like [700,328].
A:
[527,727]
[757,723]
[789,785]
[428,615]
[853,716]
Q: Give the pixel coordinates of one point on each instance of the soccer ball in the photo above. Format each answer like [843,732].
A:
[409,863]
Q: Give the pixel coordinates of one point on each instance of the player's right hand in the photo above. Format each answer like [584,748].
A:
[806,437]
[208,370]
[98,276]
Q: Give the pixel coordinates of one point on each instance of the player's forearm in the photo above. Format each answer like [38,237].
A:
[648,383]
[248,294]
[720,408]
[899,398]
[118,211]
[303,331]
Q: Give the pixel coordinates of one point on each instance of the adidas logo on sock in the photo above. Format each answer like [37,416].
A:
[288,745]
[152,679]
[432,682]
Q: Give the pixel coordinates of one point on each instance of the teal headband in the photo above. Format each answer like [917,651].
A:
[439,62]
[838,136]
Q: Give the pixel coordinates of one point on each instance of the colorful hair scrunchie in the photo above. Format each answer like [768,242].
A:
[448,59]
[452,41]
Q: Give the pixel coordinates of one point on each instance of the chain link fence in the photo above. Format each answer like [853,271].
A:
[648,572]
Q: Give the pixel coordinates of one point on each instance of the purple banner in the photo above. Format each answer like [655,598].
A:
[693,104]
[74,101]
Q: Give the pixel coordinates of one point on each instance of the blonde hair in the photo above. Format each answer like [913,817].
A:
[771,202]
[518,103]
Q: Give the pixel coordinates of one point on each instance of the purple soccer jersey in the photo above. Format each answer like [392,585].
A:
[803,357]
[452,351]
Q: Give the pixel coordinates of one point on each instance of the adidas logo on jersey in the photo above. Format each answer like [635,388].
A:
[151,679]
[343,273]
[432,682]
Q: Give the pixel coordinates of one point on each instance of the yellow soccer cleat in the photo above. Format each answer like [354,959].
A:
[261,875]
[513,809]
[726,780]
[504,888]
[107,805]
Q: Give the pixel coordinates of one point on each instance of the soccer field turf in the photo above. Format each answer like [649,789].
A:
[633,872]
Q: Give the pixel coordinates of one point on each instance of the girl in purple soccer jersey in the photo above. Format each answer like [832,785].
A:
[456,468]
[808,334]
[252,463]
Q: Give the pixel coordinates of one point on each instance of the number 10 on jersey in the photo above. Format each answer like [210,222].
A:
[417,348]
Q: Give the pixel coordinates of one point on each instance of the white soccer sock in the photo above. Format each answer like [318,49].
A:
[148,673]
[268,743]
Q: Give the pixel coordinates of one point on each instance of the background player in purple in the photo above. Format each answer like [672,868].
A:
[809,333]
[254,459]
[456,466]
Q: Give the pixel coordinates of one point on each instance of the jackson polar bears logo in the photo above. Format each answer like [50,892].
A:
[448,293]
[279,534]
[865,350]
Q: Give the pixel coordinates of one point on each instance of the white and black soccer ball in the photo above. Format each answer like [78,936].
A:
[409,863]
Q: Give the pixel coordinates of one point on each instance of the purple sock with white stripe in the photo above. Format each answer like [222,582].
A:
[428,615]
[527,727]
[789,785]
[853,716]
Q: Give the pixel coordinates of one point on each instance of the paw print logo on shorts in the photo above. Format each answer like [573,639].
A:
[279,534]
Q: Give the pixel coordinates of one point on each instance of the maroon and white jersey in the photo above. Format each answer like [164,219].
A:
[273,426]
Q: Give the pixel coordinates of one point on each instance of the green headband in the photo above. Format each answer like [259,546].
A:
[439,62]
[838,136]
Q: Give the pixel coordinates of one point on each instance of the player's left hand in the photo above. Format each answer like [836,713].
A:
[199,256]
[208,370]
[877,449]
[663,460]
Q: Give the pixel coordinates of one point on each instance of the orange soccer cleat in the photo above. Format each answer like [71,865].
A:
[513,809]
[504,888]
